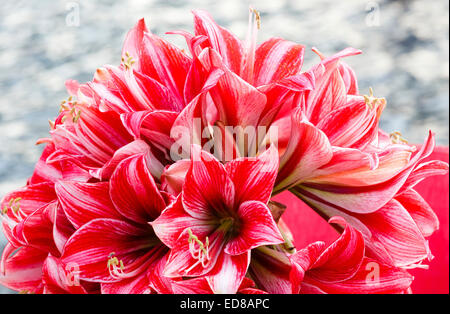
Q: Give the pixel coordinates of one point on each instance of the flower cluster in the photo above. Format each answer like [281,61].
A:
[158,174]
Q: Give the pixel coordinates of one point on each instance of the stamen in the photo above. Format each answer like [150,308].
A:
[254,24]
[118,270]
[198,250]
[372,101]
[15,206]
[397,138]
[257,17]
[77,117]
[128,63]
[115,266]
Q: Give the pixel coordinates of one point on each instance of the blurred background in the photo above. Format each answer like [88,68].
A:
[45,42]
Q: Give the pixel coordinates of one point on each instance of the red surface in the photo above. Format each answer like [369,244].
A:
[307,227]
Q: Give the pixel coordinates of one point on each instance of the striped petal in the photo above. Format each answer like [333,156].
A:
[276,59]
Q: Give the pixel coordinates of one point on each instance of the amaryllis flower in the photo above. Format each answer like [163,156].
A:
[114,244]
[219,217]
[158,174]
[36,229]
[343,165]
[343,268]
[236,84]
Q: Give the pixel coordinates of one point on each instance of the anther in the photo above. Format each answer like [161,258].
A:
[397,138]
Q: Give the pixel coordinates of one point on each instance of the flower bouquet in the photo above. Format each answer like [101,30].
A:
[158,174]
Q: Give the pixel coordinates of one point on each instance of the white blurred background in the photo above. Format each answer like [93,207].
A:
[45,42]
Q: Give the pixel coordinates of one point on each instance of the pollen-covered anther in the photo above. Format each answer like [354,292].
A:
[257,17]
[64,107]
[198,250]
[372,101]
[128,62]
[115,266]
[76,117]
[397,138]
[15,204]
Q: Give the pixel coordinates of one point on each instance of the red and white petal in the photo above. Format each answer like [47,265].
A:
[422,214]
[207,190]
[44,172]
[23,270]
[165,63]
[183,261]
[220,39]
[204,73]
[349,77]
[308,150]
[239,104]
[133,148]
[172,179]
[83,202]
[135,285]
[256,228]
[37,229]
[254,178]
[383,183]
[28,199]
[302,261]
[229,273]
[95,243]
[160,283]
[59,278]
[197,285]
[174,220]
[423,171]
[276,59]
[330,90]
[133,190]
[342,259]
[62,228]
[270,269]
[149,125]
[353,125]
[133,44]
[372,278]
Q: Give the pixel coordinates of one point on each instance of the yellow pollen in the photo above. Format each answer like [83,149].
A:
[397,138]
[128,63]
[77,117]
[370,100]
[194,238]
[258,17]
